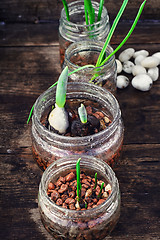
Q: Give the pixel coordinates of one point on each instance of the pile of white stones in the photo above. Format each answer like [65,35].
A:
[143,67]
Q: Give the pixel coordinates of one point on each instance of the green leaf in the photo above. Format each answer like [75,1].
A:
[66,9]
[95,176]
[78,179]
[90,10]
[100,10]
[82,113]
[101,189]
[129,33]
[62,88]
[100,58]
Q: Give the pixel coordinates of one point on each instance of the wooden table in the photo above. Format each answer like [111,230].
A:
[29,64]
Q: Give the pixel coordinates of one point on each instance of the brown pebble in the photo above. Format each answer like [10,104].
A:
[89,110]
[70,176]
[64,197]
[51,186]
[63,188]
[85,186]
[83,192]
[62,179]
[59,201]
[64,205]
[72,194]
[100,114]
[72,207]
[88,193]
[100,201]
[69,201]
[73,185]
[54,195]
[85,181]
[58,183]
[95,200]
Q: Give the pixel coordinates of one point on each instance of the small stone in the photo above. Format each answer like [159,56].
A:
[127,66]
[138,69]
[101,201]
[139,59]
[122,81]
[69,201]
[119,66]
[150,62]
[63,188]
[54,195]
[153,73]
[126,54]
[141,52]
[51,186]
[142,82]
[157,55]
[108,188]
[70,176]
[59,202]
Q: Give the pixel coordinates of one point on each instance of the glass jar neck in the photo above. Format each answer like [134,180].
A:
[76,28]
[89,163]
[87,52]
[83,91]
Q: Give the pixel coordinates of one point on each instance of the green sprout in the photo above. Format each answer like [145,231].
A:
[78,179]
[62,88]
[95,176]
[66,9]
[82,113]
[101,189]
[88,9]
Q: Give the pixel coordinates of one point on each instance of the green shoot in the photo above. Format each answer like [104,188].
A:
[100,10]
[101,189]
[66,9]
[82,113]
[30,114]
[111,32]
[86,14]
[62,88]
[129,33]
[95,176]
[78,179]
[90,10]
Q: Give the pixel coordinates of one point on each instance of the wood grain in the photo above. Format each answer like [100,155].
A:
[29,64]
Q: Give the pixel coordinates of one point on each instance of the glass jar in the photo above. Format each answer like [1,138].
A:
[76,29]
[48,146]
[86,52]
[95,223]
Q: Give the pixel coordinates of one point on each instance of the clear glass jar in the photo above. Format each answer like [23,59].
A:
[48,146]
[76,29]
[86,52]
[91,224]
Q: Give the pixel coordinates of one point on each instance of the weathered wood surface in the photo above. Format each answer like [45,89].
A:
[49,10]
[29,64]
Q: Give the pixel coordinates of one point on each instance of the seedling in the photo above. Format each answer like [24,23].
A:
[58,118]
[102,185]
[89,11]
[82,113]
[95,181]
[78,179]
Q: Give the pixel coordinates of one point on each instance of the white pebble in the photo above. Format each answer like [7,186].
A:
[119,66]
[138,69]
[157,55]
[139,59]
[127,66]
[141,52]
[126,54]
[142,82]
[154,73]
[122,81]
[150,62]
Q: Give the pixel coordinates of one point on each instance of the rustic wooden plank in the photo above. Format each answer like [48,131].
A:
[33,11]
[47,34]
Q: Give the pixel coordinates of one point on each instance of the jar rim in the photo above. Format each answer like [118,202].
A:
[90,44]
[71,24]
[72,140]
[85,159]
